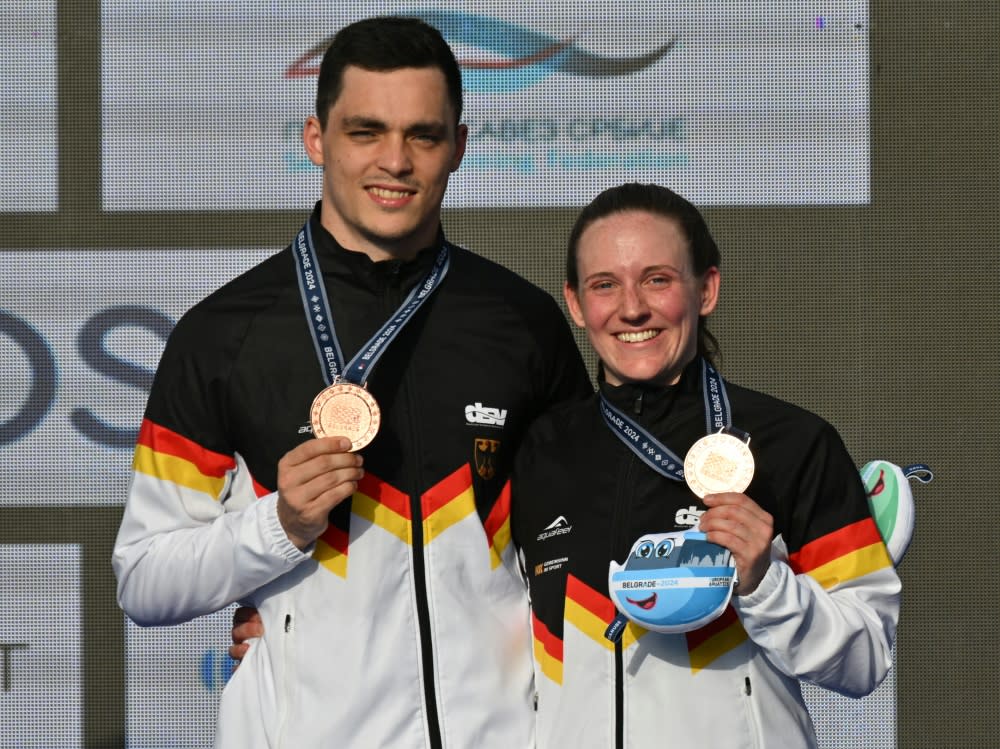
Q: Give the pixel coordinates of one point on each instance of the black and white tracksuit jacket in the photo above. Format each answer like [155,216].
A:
[825,612]
[407,624]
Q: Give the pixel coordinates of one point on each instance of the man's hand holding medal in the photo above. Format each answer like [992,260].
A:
[313,478]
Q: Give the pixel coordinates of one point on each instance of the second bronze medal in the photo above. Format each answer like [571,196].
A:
[719,462]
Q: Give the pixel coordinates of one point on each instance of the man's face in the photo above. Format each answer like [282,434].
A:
[389,146]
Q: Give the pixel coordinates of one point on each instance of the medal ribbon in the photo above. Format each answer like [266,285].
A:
[650,450]
[661,458]
[324,335]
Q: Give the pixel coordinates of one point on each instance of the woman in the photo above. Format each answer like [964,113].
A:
[817,597]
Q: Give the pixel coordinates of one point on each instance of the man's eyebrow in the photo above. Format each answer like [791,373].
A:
[662,268]
[362,121]
[366,122]
[427,128]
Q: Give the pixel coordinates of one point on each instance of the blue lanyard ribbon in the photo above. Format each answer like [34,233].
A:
[650,450]
[324,335]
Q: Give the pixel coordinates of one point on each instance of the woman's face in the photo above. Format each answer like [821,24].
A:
[638,297]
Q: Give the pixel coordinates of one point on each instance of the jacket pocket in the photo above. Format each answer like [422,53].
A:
[750,710]
[287,683]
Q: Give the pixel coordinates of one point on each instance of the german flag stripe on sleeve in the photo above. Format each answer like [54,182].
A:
[591,613]
[331,550]
[259,489]
[166,455]
[715,639]
[846,554]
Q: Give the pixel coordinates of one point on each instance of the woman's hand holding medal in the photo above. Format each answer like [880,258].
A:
[719,468]
[735,521]
[313,478]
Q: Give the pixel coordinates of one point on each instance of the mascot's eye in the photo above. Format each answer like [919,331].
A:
[644,550]
[664,549]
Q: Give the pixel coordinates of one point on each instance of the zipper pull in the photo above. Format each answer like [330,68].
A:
[288,622]
[637,406]
[616,629]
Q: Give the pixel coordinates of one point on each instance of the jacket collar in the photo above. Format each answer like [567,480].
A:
[362,270]
[648,402]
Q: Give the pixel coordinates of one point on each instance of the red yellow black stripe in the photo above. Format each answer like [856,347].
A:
[497,526]
[166,455]
[447,502]
[846,554]
[548,650]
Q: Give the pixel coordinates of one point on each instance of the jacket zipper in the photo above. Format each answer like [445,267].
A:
[620,523]
[417,547]
[619,696]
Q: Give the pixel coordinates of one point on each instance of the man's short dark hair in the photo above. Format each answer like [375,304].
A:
[383,44]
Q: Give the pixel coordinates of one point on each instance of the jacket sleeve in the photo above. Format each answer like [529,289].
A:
[838,637]
[194,537]
[827,609]
[176,557]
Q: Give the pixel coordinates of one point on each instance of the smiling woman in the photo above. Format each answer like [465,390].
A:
[642,279]
[641,262]
[639,297]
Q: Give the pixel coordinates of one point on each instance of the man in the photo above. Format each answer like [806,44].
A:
[377,553]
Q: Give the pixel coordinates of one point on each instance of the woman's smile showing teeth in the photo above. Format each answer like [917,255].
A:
[637,336]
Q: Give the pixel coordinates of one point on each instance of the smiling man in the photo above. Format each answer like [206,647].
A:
[315,444]
[387,146]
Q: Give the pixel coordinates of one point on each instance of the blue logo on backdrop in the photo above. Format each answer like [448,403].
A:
[215,669]
[518,57]
[525,56]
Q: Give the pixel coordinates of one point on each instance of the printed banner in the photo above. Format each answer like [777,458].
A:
[728,103]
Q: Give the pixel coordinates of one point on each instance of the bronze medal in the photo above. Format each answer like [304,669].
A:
[717,463]
[346,410]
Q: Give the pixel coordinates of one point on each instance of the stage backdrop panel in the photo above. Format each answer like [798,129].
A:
[846,723]
[41,646]
[29,151]
[175,677]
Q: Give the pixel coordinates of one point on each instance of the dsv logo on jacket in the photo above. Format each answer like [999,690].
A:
[477,413]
